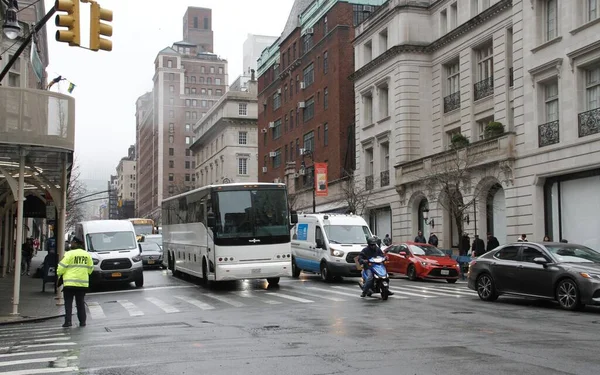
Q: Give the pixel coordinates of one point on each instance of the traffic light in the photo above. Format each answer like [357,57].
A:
[97,28]
[70,20]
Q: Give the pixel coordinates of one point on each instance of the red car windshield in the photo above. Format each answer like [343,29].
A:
[426,250]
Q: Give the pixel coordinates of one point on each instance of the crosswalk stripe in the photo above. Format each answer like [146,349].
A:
[433,293]
[195,302]
[96,310]
[162,305]
[393,290]
[20,354]
[355,295]
[247,294]
[29,330]
[50,339]
[336,299]
[130,307]
[32,336]
[37,345]
[55,370]
[33,360]
[286,296]
[225,300]
[458,290]
[448,291]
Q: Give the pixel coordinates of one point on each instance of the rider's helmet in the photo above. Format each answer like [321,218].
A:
[372,241]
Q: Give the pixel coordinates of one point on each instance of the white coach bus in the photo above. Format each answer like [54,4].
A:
[229,232]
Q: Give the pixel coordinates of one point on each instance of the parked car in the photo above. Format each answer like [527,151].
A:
[421,261]
[566,272]
[156,238]
[151,254]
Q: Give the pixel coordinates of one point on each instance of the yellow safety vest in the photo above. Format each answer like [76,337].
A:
[76,268]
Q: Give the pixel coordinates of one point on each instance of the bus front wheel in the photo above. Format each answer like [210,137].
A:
[273,281]
[204,273]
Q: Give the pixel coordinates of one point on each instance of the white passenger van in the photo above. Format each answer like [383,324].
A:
[327,244]
[114,250]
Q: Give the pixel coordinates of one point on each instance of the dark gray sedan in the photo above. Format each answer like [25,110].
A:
[151,254]
[567,273]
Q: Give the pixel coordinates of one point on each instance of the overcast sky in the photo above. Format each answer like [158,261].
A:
[108,83]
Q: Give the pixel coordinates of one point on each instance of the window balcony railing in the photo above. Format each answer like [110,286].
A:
[589,122]
[369,182]
[384,178]
[548,133]
[511,77]
[484,88]
[452,102]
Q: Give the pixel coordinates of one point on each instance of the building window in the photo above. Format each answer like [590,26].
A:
[592,88]
[450,134]
[367,109]
[383,101]
[443,22]
[169,63]
[171,151]
[243,138]
[453,16]
[369,168]
[325,134]
[187,164]
[551,101]
[187,115]
[548,132]
[221,70]
[209,81]
[217,81]
[551,19]
[277,129]
[171,89]
[171,101]
[277,159]
[243,109]
[206,23]
[194,103]
[384,178]
[204,103]
[325,62]
[309,110]
[171,128]
[171,77]
[187,140]
[297,83]
[171,114]
[481,125]
[219,92]
[309,75]
[171,164]
[307,42]
[285,93]
[193,79]
[325,98]
[188,152]
[485,72]
[367,52]
[361,12]
[592,10]
[383,41]
[291,120]
[242,166]
[285,123]
[297,147]
[171,177]
[276,101]
[195,22]
[188,102]
[452,98]
[309,141]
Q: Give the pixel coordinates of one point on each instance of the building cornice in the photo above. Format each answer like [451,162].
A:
[481,18]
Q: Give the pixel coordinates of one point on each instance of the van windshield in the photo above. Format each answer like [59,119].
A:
[347,234]
[110,241]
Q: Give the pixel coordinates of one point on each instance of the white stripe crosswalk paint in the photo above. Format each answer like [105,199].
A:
[28,330]
[432,293]
[336,299]
[358,294]
[130,307]
[195,302]
[286,296]
[354,295]
[20,354]
[396,291]
[56,370]
[96,311]
[441,290]
[50,339]
[457,290]
[37,345]
[247,294]
[229,301]
[33,360]
[37,334]
[162,305]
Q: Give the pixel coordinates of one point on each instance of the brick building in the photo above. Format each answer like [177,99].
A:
[187,82]
[306,101]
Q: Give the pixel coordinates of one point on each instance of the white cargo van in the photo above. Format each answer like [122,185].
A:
[327,244]
[114,250]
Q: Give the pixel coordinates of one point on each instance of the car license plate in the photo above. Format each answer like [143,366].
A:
[116,274]
[255,270]
[150,262]
[445,272]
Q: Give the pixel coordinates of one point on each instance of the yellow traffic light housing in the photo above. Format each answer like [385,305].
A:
[98,29]
[70,20]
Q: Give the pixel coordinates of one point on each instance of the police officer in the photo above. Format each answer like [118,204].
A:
[75,269]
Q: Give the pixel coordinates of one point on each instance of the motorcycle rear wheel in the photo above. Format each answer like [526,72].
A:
[384,293]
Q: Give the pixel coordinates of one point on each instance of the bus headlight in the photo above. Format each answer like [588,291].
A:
[337,253]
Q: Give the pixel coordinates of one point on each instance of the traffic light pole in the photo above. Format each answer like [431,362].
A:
[38,27]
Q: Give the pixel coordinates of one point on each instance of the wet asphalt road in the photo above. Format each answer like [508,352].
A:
[174,326]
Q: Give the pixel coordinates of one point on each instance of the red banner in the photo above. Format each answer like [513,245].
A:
[321,189]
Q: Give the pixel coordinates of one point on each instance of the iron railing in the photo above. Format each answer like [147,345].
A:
[484,88]
[452,102]
[589,122]
[548,133]
[385,178]
[369,182]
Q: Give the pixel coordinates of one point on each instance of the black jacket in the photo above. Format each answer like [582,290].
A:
[492,243]
[420,239]
[433,240]
[367,253]
[478,247]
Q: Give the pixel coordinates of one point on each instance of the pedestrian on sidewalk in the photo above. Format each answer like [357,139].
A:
[75,269]
[27,251]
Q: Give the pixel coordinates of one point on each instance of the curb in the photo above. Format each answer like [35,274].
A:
[31,320]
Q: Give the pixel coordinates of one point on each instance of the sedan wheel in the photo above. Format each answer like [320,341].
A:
[486,288]
[411,273]
[567,295]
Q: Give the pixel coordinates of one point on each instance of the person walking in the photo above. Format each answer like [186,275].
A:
[478,248]
[433,240]
[420,238]
[492,242]
[75,269]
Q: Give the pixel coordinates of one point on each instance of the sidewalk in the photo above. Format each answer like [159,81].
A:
[33,305]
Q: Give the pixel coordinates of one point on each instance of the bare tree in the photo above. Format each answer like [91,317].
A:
[356,194]
[75,191]
[292,201]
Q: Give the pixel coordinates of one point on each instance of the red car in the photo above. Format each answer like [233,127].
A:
[421,261]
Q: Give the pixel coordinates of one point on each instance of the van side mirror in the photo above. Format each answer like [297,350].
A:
[294,217]
[211,220]
[320,243]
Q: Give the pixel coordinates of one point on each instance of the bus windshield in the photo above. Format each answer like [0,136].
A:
[251,213]
[142,229]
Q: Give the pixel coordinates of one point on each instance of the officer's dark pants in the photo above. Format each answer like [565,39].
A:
[79,294]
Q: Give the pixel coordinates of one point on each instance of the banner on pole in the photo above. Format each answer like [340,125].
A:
[321,188]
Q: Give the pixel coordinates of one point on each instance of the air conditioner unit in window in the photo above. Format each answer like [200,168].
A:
[271,124]
[301,104]
[263,130]
[302,85]
[264,170]
[279,91]
[272,154]
[310,31]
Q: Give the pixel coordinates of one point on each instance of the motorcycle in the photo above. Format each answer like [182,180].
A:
[381,280]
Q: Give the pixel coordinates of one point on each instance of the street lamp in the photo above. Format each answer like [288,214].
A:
[309,153]
[11,26]
[426,216]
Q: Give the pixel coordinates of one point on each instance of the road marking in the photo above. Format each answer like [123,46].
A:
[33,360]
[55,370]
[40,330]
[48,339]
[37,345]
[358,295]
[37,334]
[162,305]
[225,299]
[96,310]
[130,307]
[457,289]
[336,299]
[333,291]
[142,290]
[446,292]
[297,299]
[33,353]
[195,302]
[247,294]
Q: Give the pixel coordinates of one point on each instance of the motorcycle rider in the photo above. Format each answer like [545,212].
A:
[371,251]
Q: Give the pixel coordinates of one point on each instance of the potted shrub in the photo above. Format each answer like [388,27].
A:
[494,129]
[459,141]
